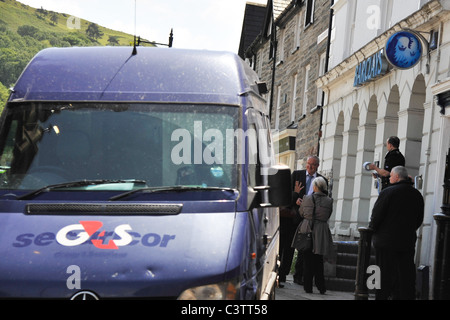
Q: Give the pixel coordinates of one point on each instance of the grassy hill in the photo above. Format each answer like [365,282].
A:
[24,31]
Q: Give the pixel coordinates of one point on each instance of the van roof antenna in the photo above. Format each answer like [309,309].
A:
[134,46]
[137,42]
[135,18]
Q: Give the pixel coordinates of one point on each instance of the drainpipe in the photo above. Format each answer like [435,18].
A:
[327,58]
[274,48]
[441,272]
[426,168]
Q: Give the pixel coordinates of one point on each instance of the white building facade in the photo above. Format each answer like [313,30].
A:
[360,114]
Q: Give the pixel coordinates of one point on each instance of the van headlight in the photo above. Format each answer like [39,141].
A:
[220,291]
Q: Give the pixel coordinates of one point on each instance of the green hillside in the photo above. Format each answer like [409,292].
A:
[24,31]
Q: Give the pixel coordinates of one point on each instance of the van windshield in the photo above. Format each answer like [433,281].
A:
[158,145]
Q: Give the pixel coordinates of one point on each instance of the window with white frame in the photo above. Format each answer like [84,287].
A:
[297,32]
[322,62]
[278,107]
[294,97]
[270,36]
[260,62]
[281,46]
[251,61]
[309,14]
[305,91]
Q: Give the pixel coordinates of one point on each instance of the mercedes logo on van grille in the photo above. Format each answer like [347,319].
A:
[84,295]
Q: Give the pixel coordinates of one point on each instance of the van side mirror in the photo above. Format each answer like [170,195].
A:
[277,193]
[280,192]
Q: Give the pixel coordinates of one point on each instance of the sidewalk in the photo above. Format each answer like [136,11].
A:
[293,291]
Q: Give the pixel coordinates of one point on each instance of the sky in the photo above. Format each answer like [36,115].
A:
[197,24]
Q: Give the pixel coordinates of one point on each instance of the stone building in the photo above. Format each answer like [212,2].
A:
[364,108]
[289,54]
[334,93]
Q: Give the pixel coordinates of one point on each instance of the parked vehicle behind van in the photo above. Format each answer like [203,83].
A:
[147,175]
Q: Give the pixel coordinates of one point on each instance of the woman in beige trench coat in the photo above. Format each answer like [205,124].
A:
[322,239]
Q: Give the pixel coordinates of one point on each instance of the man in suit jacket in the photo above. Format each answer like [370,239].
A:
[290,218]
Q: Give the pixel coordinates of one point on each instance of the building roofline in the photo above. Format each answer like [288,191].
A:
[422,16]
[294,4]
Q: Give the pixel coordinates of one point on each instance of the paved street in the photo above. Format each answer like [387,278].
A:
[293,291]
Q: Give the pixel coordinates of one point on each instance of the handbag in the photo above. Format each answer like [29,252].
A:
[303,242]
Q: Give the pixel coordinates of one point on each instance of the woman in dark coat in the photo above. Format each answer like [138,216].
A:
[322,239]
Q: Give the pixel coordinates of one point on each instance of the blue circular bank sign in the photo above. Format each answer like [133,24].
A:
[403,49]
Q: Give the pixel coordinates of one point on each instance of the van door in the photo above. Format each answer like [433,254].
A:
[261,158]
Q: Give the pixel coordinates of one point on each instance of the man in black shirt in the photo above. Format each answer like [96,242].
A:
[392,159]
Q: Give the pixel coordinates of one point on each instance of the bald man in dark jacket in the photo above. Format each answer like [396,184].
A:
[396,216]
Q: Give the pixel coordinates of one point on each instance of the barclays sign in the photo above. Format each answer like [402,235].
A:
[404,49]
[371,68]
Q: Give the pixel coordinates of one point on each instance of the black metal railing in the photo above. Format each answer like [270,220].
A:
[364,250]
[441,272]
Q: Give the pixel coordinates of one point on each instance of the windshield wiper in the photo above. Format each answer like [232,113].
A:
[171,189]
[73,184]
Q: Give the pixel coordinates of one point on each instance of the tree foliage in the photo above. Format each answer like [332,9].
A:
[93,31]
[24,31]
[18,48]
[4,94]
[15,52]
[27,31]
[113,40]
